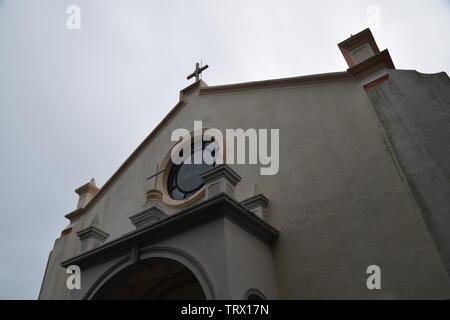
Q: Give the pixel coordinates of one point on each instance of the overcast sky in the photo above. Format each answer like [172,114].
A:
[75,103]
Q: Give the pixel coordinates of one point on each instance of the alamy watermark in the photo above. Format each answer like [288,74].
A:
[74,280]
[374,280]
[73,21]
[374,19]
[260,150]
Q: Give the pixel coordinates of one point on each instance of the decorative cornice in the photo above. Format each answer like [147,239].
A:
[354,42]
[375,63]
[87,188]
[72,215]
[284,82]
[357,39]
[219,172]
[218,207]
[255,201]
[148,217]
[92,233]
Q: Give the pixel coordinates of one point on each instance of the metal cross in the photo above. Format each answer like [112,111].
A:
[197,72]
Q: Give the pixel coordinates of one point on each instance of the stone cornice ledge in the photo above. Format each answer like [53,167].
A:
[217,207]
[92,232]
[333,77]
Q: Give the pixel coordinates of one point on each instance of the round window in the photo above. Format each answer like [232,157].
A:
[184,179]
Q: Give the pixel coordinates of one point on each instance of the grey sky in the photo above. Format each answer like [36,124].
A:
[75,104]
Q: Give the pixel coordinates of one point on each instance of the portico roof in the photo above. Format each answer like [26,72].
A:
[221,206]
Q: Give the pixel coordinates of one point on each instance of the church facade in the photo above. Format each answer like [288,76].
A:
[357,208]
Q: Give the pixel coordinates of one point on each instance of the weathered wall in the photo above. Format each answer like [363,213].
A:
[54,282]
[414,109]
[339,201]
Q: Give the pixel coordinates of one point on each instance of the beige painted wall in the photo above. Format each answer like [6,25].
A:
[338,200]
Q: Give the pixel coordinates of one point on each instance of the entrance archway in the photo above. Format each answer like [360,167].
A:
[152,279]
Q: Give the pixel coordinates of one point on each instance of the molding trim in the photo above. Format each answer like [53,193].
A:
[358,39]
[87,188]
[256,201]
[108,274]
[221,171]
[149,216]
[277,83]
[258,205]
[217,207]
[375,63]
[72,215]
[354,42]
[186,259]
[175,254]
[92,233]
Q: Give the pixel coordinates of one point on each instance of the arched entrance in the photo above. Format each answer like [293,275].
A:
[152,279]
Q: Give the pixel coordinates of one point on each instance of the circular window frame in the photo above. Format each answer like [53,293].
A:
[167,165]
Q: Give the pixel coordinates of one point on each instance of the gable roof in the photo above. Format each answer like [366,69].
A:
[203,90]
